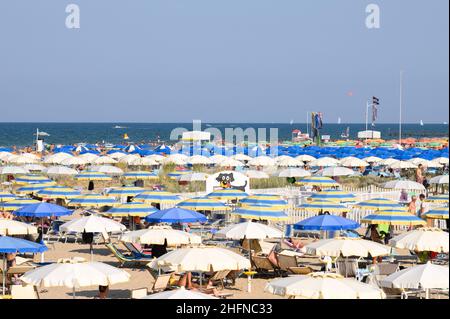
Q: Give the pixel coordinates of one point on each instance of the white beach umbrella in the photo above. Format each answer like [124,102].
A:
[12,170]
[92,224]
[431,164]
[129,159]
[372,159]
[256,174]
[156,157]
[89,157]
[351,161]
[57,158]
[324,162]
[102,160]
[215,159]
[282,157]
[241,157]
[73,161]
[321,285]
[21,159]
[60,171]
[199,160]
[229,162]
[116,155]
[75,273]
[441,179]
[144,161]
[108,169]
[336,171]
[10,227]
[203,259]
[347,247]
[441,160]
[388,162]
[5,155]
[34,167]
[422,239]
[417,160]
[404,184]
[294,172]
[193,177]
[262,161]
[426,276]
[290,162]
[249,230]
[176,159]
[402,165]
[306,158]
[180,293]
[157,235]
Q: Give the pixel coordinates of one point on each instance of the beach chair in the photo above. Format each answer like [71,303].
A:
[24,292]
[286,263]
[162,282]
[219,277]
[347,267]
[264,266]
[138,293]
[126,259]
[301,270]
[135,251]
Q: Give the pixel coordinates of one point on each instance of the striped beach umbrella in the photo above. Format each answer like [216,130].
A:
[6,197]
[34,188]
[227,194]
[126,191]
[17,203]
[31,179]
[92,176]
[438,198]
[321,181]
[160,197]
[264,199]
[379,204]
[203,204]
[176,174]
[438,213]
[393,217]
[261,212]
[140,175]
[58,192]
[333,195]
[92,200]
[323,205]
[131,209]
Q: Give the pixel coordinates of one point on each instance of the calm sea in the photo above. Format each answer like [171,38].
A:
[22,134]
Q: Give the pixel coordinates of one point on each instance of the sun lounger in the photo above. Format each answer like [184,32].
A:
[24,292]
[162,282]
[126,259]
[135,251]
[301,270]
[264,266]
[220,276]
[139,293]
[347,267]
[286,262]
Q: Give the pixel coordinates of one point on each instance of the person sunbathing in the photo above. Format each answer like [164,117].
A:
[186,282]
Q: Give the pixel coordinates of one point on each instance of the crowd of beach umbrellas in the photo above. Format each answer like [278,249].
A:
[33,195]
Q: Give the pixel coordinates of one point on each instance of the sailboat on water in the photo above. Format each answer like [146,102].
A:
[346,134]
[421,123]
[339,120]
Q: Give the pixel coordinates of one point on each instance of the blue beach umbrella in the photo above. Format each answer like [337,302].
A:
[326,222]
[175,215]
[42,210]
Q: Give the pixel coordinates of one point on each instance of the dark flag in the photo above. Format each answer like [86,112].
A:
[375,104]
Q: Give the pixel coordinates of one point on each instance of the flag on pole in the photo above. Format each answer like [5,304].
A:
[375,103]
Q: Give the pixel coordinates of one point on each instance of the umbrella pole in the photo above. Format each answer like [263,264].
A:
[4,274]
[42,239]
[73,292]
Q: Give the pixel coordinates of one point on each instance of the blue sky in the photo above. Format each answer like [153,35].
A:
[222,60]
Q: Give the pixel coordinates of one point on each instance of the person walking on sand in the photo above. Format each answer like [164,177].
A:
[419,174]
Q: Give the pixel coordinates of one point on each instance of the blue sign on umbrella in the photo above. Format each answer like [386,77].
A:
[175,215]
[42,210]
[326,222]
